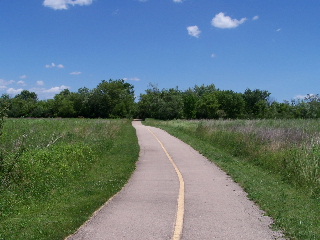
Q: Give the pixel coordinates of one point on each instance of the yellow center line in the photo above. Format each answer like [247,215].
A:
[180,212]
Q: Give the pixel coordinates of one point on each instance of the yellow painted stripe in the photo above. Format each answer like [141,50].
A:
[180,212]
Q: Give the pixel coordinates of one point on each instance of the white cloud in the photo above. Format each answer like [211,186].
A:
[44,93]
[13,91]
[5,83]
[53,65]
[64,4]
[22,83]
[223,21]
[132,79]
[255,18]
[56,4]
[115,12]
[75,73]
[279,29]
[178,1]
[194,31]
[302,97]
[23,77]
[56,89]
[40,83]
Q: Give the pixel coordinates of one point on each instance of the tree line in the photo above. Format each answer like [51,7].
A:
[116,99]
[110,99]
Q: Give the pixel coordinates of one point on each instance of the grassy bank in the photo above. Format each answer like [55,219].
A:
[276,161]
[55,173]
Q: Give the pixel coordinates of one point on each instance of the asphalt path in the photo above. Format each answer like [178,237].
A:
[176,193]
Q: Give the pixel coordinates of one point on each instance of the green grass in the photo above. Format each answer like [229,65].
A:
[55,173]
[276,162]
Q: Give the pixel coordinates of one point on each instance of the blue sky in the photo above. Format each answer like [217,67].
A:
[49,45]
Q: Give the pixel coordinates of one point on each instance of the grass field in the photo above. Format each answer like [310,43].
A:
[55,173]
[276,161]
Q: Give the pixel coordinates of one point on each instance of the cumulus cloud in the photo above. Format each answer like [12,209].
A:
[44,93]
[55,89]
[40,83]
[53,65]
[194,31]
[5,83]
[23,77]
[75,73]
[223,21]
[132,79]
[12,91]
[21,83]
[64,4]
[255,18]
[178,1]
[302,97]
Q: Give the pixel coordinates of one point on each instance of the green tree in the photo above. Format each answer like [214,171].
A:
[81,101]
[280,110]
[44,109]
[23,104]
[63,104]
[207,107]
[113,98]
[231,104]
[149,102]
[165,104]
[190,99]
[256,102]
[28,96]
[5,102]
[313,100]
[171,106]
[309,107]
[3,113]
[202,90]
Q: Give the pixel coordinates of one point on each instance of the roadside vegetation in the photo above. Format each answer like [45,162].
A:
[54,173]
[52,161]
[110,99]
[276,161]
[209,102]
[116,99]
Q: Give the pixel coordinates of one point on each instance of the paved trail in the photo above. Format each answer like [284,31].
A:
[175,193]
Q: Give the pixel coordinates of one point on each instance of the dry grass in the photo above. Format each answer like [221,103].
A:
[290,149]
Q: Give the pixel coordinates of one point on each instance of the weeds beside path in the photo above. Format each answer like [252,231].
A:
[276,162]
[56,172]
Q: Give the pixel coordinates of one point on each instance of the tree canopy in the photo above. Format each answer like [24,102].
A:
[116,99]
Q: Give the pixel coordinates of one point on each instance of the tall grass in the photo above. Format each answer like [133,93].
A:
[288,147]
[276,161]
[55,172]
